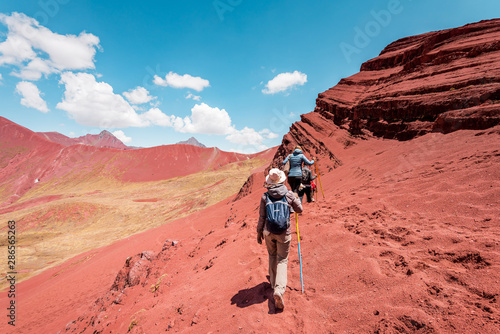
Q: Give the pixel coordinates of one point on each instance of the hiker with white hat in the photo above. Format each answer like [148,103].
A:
[276,205]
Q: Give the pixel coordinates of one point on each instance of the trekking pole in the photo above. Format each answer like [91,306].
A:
[319,178]
[300,257]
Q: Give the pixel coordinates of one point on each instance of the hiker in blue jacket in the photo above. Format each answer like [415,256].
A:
[295,173]
[277,237]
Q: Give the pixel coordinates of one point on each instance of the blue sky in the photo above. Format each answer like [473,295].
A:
[233,73]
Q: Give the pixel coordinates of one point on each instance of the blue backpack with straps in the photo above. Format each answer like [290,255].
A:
[277,214]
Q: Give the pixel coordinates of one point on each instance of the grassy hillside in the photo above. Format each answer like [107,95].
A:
[82,211]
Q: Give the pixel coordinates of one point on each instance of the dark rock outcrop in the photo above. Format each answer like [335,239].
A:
[135,270]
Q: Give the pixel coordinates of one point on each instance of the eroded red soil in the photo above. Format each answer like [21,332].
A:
[405,240]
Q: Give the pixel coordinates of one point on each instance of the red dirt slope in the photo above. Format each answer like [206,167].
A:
[406,241]
[18,145]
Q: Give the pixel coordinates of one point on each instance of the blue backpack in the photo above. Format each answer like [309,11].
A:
[277,214]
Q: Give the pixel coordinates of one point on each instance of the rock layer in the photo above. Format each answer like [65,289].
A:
[440,81]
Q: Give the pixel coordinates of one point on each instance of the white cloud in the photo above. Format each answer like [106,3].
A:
[159,81]
[194,97]
[34,70]
[250,141]
[157,117]
[205,119]
[249,149]
[35,50]
[285,81]
[139,95]
[120,135]
[246,136]
[208,120]
[182,81]
[266,133]
[31,96]
[93,103]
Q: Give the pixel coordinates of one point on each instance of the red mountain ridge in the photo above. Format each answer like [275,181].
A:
[103,139]
[49,160]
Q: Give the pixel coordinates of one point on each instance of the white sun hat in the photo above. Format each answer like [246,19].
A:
[275,176]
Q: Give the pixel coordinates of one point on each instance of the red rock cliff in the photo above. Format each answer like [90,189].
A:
[439,81]
[435,82]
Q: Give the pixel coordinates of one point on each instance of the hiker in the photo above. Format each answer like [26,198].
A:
[306,186]
[275,229]
[295,173]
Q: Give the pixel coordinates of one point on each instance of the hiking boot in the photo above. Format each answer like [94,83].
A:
[278,301]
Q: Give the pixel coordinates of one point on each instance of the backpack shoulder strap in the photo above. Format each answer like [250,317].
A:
[269,199]
[284,197]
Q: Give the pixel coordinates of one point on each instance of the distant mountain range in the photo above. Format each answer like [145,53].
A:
[191,141]
[103,139]
[32,158]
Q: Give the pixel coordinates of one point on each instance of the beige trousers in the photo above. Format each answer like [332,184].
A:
[278,247]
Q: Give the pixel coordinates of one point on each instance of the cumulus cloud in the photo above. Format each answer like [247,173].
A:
[157,117]
[139,95]
[249,149]
[250,137]
[285,81]
[193,97]
[123,138]
[206,120]
[246,136]
[31,96]
[266,133]
[182,81]
[93,103]
[34,69]
[36,50]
